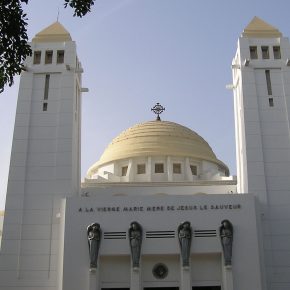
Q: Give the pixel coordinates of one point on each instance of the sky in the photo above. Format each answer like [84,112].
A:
[139,52]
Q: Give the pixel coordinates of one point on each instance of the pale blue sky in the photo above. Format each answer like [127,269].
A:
[139,52]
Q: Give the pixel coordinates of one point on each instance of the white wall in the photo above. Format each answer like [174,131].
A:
[1,225]
[205,170]
[263,148]
[44,167]
[205,250]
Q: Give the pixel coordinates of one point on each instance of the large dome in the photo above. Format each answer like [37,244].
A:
[155,138]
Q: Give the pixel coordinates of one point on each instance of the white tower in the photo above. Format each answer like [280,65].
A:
[261,81]
[45,161]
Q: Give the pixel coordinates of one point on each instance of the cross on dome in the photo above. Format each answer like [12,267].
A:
[158,109]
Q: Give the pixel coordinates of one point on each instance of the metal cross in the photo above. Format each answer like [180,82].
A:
[158,109]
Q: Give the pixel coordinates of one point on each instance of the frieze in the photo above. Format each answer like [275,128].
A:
[159,208]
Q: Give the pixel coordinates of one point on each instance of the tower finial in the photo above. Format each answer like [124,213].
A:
[158,109]
[57,17]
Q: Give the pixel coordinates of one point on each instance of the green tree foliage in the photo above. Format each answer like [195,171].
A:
[13,35]
[81,7]
[13,40]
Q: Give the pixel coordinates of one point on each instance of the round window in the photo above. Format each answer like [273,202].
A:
[160,271]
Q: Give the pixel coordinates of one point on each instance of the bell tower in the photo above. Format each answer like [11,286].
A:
[45,160]
[261,84]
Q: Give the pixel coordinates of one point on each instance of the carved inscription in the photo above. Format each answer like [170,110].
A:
[159,208]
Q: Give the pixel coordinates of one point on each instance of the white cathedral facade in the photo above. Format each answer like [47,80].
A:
[158,210]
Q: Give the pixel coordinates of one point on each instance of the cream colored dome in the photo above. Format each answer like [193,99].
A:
[157,138]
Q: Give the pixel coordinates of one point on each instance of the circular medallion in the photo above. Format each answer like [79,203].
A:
[160,271]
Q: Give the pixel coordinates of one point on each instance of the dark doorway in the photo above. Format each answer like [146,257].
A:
[158,288]
[206,288]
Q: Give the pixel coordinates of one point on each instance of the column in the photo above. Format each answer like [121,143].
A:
[185,278]
[149,169]
[94,279]
[169,169]
[135,283]
[187,171]
[227,273]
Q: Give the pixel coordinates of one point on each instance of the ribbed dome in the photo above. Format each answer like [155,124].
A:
[157,138]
